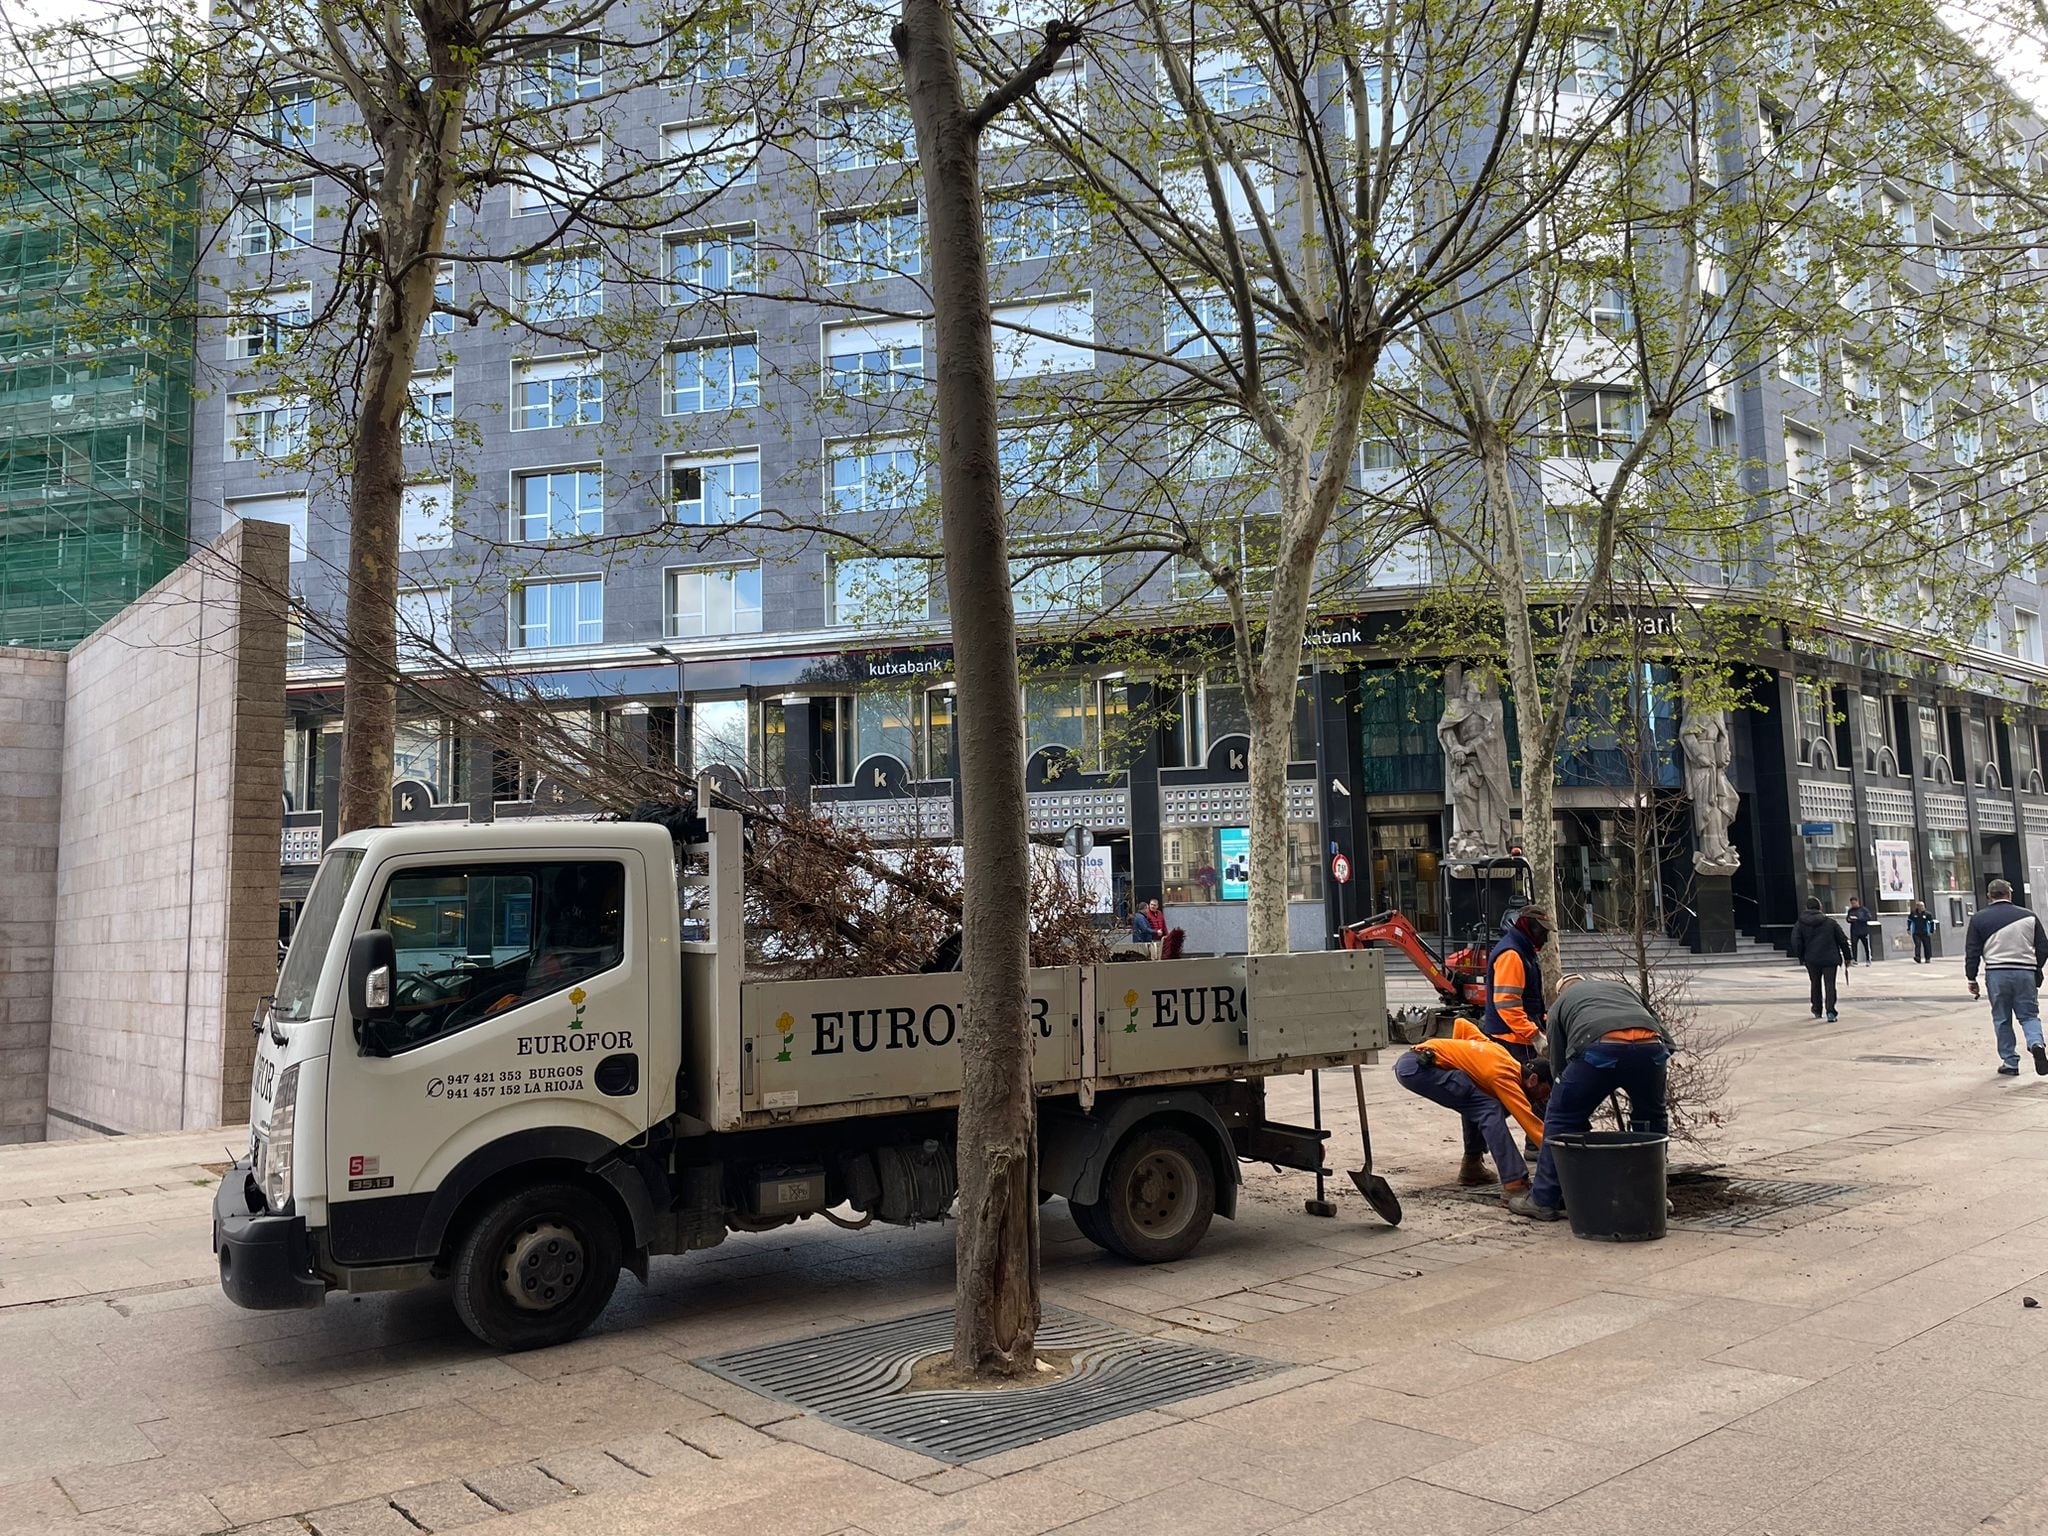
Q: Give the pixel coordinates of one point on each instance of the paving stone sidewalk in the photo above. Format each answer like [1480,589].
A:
[1861,1366]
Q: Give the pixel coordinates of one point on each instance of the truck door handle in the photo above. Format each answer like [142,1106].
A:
[617,1076]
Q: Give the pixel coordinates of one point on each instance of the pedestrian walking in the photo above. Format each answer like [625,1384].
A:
[1920,924]
[1819,944]
[2006,939]
[1602,1040]
[1860,924]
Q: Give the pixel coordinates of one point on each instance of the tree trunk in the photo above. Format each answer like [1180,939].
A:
[369,688]
[996,1305]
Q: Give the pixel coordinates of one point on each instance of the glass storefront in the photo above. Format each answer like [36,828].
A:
[1406,867]
[1948,865]
[1203,864]
[1831,865]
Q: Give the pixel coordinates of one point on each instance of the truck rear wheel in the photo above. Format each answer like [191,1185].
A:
[1158,1197]
[537,1267]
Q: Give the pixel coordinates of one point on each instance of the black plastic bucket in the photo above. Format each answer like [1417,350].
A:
[1613,1183]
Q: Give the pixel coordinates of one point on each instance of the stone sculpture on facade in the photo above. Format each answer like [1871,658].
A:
[1476,772]
[1708,752]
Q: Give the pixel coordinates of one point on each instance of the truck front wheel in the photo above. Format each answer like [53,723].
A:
[536,1267]
[1158,1195]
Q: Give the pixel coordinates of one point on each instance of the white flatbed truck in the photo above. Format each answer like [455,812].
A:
[523,1057]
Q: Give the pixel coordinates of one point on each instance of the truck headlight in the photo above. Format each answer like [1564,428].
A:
[274,1174]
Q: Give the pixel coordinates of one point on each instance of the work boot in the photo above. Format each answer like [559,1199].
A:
[1473,1173]
[2040,1059]
[1515,1187]
[1833,1016]
[1525,1205]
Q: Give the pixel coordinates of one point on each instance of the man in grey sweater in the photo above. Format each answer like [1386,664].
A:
[2007,941]
[1602,1039]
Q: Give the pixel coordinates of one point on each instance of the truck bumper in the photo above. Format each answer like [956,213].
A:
[266,1262]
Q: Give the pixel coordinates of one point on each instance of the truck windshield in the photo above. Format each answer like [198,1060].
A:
[300,978]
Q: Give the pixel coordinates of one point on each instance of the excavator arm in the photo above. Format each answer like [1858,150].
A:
[1459,984]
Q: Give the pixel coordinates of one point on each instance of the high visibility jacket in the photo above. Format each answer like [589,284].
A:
[1514,990]
[1492,1070]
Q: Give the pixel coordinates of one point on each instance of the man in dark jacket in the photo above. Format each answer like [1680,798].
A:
[1602,1041]
[1514,983]
[2008,942]
[1819,944]
[1860,924]
[1920,924]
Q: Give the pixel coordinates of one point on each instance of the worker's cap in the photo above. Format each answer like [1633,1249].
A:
[1538,915]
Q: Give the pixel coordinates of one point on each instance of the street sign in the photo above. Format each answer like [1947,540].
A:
[1340,870]
[1079,841]
[1816,829]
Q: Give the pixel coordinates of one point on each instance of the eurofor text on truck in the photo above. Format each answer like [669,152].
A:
[523,1057]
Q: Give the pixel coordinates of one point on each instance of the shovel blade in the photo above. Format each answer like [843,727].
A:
[1379,1194]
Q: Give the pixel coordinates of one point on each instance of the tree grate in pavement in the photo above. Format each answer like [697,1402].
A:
[858,1379]
[1713,1203]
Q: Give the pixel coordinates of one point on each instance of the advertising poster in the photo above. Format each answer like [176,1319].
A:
[1234,849]
[1894,869]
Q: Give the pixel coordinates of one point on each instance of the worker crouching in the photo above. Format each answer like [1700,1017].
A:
[1484,1083]
[1602,1040]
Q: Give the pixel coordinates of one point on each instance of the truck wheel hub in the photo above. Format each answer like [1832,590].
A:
[543,1266]
[1159,1193]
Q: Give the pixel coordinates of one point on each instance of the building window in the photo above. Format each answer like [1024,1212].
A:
[266,426]
[430,412]
[1567,555]
[556,74]
[708,157]
[1599,423]
[423,629]
[857,135]
[1201,325]
[2025,635]
[1799,363]
[719,49]
[288,510]
[874,357]
[560,504]
[1247,546]
[1184,189]
[870,246]
[1037,224]
[1222,447]
[1916,417]
[439,321]
[712,492]
[714,600]
[274,323]
[1222,77]
[426,516]
[557,392]
[870,477]
[554,181]
[724,376]
[1803,473]
[876,592]
[292,121]
[561,285]
[1049,336]
[273,221]
[557,613]
[1591,67]
[1948,255]
[706,263]
[1046,458]
[1056,586]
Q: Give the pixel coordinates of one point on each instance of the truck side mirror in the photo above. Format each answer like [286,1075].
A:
[372,972]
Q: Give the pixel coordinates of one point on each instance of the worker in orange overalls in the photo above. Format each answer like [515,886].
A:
[1486,1085]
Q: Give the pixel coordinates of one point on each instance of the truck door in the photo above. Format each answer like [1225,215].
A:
[522,1010]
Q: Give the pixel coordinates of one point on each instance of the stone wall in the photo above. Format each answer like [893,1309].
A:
[31,760]
[166,871]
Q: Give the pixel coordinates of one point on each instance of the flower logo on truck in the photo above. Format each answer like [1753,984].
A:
[1131,1002]
[579,997]
[785,1026]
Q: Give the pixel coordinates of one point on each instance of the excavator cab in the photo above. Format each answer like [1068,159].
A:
[1481,896]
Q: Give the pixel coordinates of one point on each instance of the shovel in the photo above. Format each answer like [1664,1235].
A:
[1379,1194]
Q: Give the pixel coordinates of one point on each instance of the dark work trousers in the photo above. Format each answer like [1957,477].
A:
[1482,1113]
[1823,979]
[1923,948]
[1475,1143]
[1860,940]
[1635,1068]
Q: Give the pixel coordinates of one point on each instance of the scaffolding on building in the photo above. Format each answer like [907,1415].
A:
[96,364]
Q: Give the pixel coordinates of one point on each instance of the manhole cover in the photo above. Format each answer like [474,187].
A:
[856,1378]
[1713,1202]
[1902,1061]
